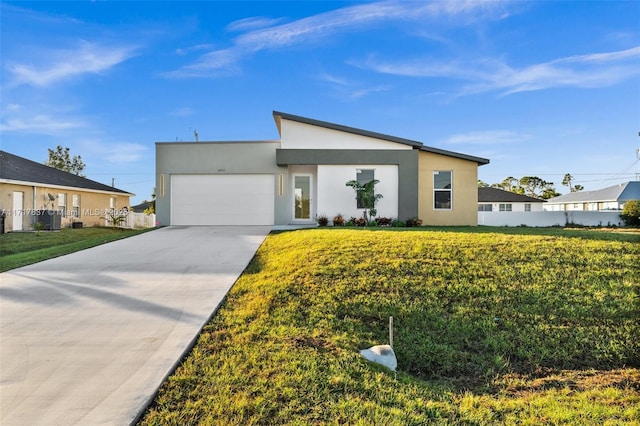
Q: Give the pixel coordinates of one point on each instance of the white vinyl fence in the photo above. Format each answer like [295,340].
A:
[135,221]
[550,218]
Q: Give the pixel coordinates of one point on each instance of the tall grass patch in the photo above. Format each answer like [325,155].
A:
[488,327]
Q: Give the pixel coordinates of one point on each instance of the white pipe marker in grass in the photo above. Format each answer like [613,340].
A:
[383,354]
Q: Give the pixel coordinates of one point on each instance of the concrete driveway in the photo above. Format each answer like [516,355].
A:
[88,338]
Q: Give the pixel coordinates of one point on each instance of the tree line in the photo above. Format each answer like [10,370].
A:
[533,186]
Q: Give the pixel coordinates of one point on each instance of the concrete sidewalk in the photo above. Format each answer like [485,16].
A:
[88,338]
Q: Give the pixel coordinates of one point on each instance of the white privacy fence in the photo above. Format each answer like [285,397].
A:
[550,218]
[135,221]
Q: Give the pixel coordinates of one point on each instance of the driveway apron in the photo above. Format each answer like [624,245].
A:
[88,338]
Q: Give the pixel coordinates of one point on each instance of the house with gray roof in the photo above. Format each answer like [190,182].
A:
[498,200]
[611,198]
[31,193]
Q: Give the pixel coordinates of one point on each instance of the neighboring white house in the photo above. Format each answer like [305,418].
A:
[498,200]
[607,199]
[502,208]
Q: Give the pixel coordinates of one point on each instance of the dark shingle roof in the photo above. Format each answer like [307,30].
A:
[20,169]
[140,208]
[496,195]
[415,144]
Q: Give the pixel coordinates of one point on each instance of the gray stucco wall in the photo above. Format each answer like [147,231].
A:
[407,161]
[215,158]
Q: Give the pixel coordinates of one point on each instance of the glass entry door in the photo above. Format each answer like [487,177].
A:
[302,197]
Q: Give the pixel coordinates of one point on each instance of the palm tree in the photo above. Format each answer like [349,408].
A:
[366,196]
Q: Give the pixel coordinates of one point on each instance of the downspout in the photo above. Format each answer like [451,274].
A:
[33,209]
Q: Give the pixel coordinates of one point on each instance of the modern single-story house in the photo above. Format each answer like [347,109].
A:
[498,200]
[303,175]
[611,198]
[32,193]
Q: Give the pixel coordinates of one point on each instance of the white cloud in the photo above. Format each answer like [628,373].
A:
[123,152]
[112,152]
[323,25]
[196,48]
[634,52]
[220,61]
[59,65]
[40,124]
[252,23]
[360,93]
[350,89]
[488,137]
[352,17]
[333,79]
[583,71]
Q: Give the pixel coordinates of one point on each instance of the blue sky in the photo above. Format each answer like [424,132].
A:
[540,88]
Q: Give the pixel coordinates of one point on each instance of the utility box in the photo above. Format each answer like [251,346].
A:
[50,220]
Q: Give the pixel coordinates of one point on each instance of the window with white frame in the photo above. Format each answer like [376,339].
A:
[112,202]
[364,177]
[527,207]
[76,205]
[62,204]
[442,189]
[504,207]
[485,207]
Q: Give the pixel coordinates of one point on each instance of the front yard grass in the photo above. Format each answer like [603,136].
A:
[24,248]
[490,328]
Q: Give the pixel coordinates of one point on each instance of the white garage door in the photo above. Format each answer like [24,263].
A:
[222,199]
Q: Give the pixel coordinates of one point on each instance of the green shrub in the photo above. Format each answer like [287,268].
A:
[323,220]
[384,221]
[414,222]
[397,223]
[631,213]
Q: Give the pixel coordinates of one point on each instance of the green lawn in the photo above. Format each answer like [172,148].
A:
[491,326]
[24,248]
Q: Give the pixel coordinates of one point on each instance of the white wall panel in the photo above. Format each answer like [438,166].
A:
[305,136]
[335,197]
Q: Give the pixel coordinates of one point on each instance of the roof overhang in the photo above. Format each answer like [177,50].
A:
[481,161]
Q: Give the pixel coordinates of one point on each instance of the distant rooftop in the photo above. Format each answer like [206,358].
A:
[496,195]
[15,168]
[622,192]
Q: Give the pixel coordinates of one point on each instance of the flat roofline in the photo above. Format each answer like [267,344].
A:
[215,142]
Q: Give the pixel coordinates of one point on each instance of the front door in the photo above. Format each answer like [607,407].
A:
[18,214]
[302,197]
